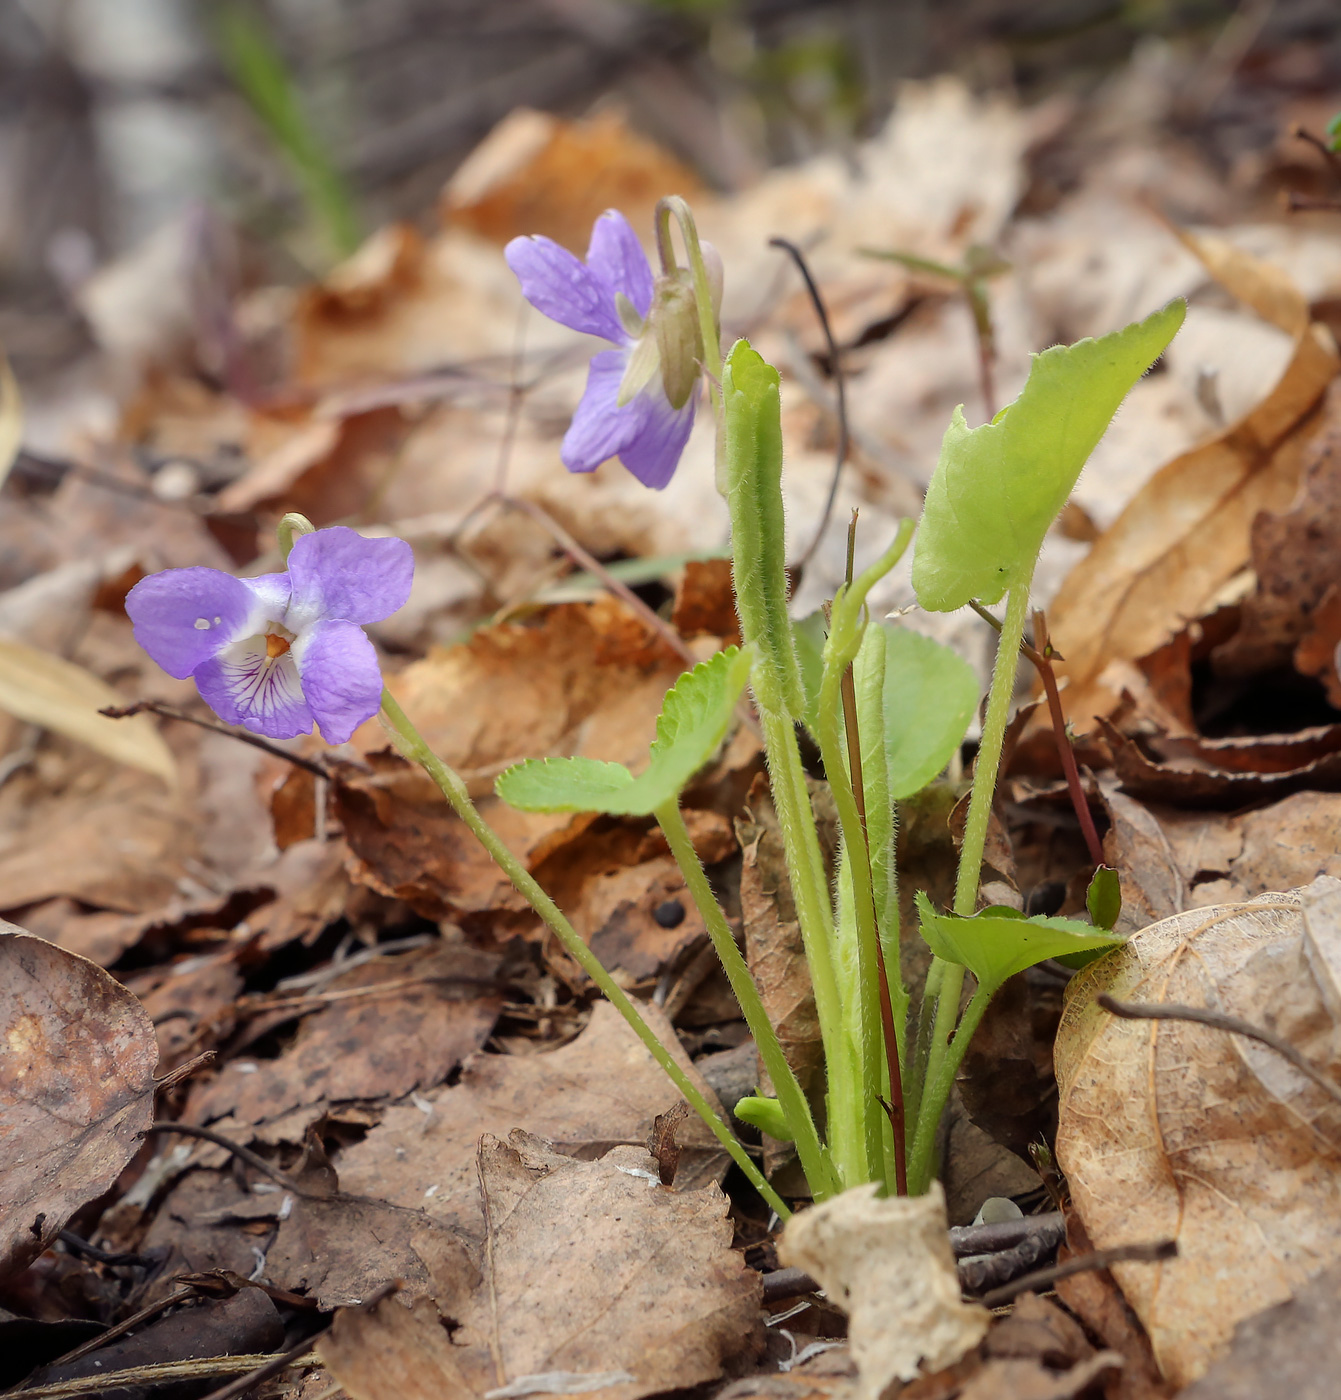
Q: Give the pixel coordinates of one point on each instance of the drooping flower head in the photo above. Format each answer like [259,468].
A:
[280,652]
[640,396]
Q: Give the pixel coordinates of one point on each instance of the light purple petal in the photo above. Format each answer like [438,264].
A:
[653,452]
[600,429]
[565,290]
[337,574]
[244,686]
[183,617]
[341,677]
[616,256]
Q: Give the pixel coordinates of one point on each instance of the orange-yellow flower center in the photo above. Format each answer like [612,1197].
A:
[275,645]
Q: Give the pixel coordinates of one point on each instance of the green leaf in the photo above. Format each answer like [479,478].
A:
[996,944]
[1104,898]
[998,488]
[930,696]
[764,1114]
[694,720]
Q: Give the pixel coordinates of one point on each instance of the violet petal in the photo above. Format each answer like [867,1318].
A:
[341,677]
[564,289]
[336,573]
[616,255]
[183,617]
[242,685]
[600,428]
[653,452]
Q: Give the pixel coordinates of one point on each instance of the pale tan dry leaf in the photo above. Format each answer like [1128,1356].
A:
[888,1264]
[597,1268]
[1171,1129]
[597,1274]
[1187,532]
[600,1090]
[11,417]
[59,695]
[1265,287]
[76,1088]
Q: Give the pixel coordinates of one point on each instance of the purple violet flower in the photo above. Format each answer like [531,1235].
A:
[278,653]
[639,401]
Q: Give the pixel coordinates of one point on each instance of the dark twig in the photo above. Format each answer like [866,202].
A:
[1041,657]
[987,1271]
[593,566]
[79,1246]
[184,1070]
[1218,1020]
[273,1367]
[840,389]
[128,1324]
[1081,1264]
[157,707]
[1330,156]
[243,1154]
[965,1240]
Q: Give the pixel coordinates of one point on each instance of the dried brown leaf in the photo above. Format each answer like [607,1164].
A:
[76,1088]
[1171,1129]
[1187,532]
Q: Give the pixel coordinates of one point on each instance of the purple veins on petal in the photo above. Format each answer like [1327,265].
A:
[244,685]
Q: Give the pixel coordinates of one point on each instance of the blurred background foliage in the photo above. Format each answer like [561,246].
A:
[310,122]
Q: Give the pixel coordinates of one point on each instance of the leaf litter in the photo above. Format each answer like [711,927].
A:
[386,1015]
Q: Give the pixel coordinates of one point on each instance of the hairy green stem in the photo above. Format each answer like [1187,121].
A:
[989,751]
[413,746]
[790,1096]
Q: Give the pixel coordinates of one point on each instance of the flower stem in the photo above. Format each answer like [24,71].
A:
[412,745]
[945,1053]
[814,1160]
[989,751]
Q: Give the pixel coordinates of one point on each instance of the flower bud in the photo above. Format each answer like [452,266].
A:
[674,322]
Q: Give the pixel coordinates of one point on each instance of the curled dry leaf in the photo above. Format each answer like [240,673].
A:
[1172,1129]
[76,1088]
[1187,532]
[57,694]
[600,1279]
[888,1264]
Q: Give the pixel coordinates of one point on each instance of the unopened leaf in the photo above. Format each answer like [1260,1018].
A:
[77,1057]
[693,722]
[996,944]
[997,488]
[764,1114]
[1104,897]
[57,694]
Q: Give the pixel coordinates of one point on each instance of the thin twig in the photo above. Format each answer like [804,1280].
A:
[179,1295]
[76,1245]
[1081,1264]
[161,1373]
[840,390]
[1330,156]
[1218,1020]
[592,565]
[273,1367]
[1041,658]
[157,707]
[184,1070]
[243,1154]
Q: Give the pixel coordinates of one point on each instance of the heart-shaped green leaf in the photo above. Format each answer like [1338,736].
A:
[694,720]
[997,943]
[997,488]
